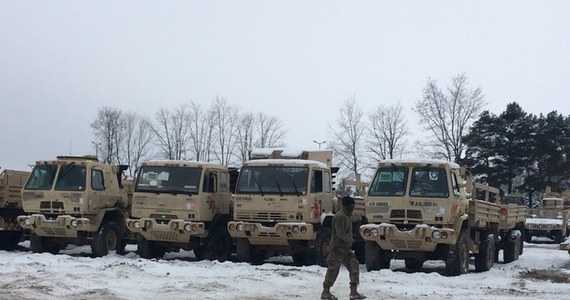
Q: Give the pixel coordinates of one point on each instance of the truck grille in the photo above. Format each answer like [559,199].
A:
[402,244]
[50,206]
[54,231]
[164,236]
[261,216]
[402,213]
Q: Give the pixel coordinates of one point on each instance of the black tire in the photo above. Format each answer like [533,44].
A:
[36,243]
[219,245]
[512,250]
[457,261]
[323,246]
[485,259]
[149,249]
[303,258]
[527,236]
[40,244]
[9,240]
[376,258]
[413,264]
[243,250]
[108,238]
[521,243]
[557,237]
[360,251]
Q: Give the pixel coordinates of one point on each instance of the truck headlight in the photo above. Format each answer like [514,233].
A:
[436,235]
[374,232]
[137,224]
[187,227]
[27,221]
[239,227]
[73,223]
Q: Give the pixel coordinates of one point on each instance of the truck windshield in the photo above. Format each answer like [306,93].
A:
[429,182]
[166,179]
[390,181]
[41,178]
[273,180]
[71,178]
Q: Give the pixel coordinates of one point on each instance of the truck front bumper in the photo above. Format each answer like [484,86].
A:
[175,230]
[278,234]
[420,238]
[62,226]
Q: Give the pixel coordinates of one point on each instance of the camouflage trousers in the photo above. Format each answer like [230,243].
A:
[337,257]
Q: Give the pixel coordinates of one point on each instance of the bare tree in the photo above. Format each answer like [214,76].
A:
[171,131]
[200,124]
[225,117]
[387,132]
[137,142]
[245,136]
[447,115]
[347,138]
[108,128]
[270,131]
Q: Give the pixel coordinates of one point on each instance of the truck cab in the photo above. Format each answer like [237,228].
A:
[76,200]
[182,205]
[11,183]
[283,205]
[432,210]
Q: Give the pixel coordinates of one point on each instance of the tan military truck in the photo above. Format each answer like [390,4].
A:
[547,220]
[283,205]
[182,205]
[76,200]
[11,183]
[431,210]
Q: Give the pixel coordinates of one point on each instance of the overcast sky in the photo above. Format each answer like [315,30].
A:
[298,60]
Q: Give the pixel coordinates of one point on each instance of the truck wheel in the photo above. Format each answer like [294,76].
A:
[413,264]
[219,246]
[512,248]
[359,251]
[243,250]
[306,258]
[557,237]
[40,244]
[527,236]
[323,246]
[485,259]
[9,240]
[108,238]
[149,249]
[457,261]
[376,258]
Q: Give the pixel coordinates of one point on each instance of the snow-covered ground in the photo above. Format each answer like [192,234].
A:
[542,272]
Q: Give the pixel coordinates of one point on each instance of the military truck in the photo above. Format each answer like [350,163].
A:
[76,200]
[432,210]
[182,205]
[283,205]
[547,220]
[11,183]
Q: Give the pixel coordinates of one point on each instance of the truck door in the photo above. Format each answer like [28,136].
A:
[210,188]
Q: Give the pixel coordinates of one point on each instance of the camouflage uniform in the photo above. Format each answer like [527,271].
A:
[341,244]
[341,253]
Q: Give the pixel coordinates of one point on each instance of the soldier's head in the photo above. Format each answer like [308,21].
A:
[348,203]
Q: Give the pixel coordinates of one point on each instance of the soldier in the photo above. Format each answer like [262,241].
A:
[341,253]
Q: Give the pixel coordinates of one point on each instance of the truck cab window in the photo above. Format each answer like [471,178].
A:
[317,182]
[210,179]
[97,182]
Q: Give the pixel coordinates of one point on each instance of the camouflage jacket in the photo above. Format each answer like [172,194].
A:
[342,230]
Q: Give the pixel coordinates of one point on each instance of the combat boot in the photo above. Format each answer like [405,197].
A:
[326,294]
[354,293]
